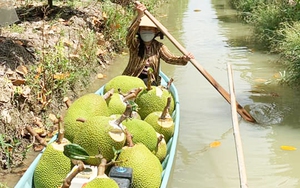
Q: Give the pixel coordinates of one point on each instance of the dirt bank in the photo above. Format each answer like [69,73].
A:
[22,47]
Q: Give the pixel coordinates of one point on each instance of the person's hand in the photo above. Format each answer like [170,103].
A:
[140,8]
[188,56]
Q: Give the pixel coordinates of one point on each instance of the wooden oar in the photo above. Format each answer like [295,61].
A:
[214,83]
[236,133]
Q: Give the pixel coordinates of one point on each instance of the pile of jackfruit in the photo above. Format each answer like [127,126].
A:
[101,125]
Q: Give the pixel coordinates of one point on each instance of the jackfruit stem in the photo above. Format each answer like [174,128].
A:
[125,115]
[102,167]
[82,120]
[150,79]
[36,136]
[129,141]
[166,109]
[169,84]
[131,95]
[67,181]
[61,131]
[108,94]
[67,102]
[159,139]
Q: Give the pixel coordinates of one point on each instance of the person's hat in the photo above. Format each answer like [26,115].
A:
[145,21]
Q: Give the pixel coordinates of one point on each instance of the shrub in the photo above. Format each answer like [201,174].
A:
[289,48]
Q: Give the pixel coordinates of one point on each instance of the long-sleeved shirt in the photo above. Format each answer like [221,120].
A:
[151,57]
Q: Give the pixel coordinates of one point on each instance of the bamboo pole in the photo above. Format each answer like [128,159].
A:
[236,133]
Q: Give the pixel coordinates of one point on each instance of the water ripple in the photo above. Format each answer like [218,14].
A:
[267,114]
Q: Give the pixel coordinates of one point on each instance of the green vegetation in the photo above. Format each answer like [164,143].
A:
[11,148]
[275,26]
[3,185]
[289,48]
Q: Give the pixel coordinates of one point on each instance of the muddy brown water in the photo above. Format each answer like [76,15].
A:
[210,30]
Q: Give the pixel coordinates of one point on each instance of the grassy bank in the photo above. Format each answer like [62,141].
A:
[276,27]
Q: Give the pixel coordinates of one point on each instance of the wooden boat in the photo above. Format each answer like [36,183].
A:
[26,180]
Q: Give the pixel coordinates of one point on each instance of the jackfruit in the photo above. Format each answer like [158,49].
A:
[116,104]
[102,180]
[124,83]
[146,167]
[161,150]
[100,135]
[142,132]
[153,99]
[53,166]
[88,105]
[164,126]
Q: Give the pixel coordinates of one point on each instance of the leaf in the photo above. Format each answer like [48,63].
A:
[100,76]
[22,70]
[75,151]
[17,82]
[288,148]
[215,144]
[61,76]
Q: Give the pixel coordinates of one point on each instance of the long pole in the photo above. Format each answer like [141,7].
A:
[236,133]
[245,115]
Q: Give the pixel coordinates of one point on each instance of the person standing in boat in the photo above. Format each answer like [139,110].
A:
[145,52]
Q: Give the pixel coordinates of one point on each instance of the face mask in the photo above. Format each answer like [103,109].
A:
[147,36]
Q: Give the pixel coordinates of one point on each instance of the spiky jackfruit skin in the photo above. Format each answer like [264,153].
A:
[124,83]
[153,100]
[142,132]
[146,167]
[102,183]
[162,126]
[95,139]
[52,168]
[88,105]
[161,151]
[115,104]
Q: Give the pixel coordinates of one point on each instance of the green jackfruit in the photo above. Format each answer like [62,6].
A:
[53,167]
[104,182]
[100,135]
[153,100]
[124,83]
[88,105]
[163,126]
[146,167]
[161,150]
[115,104]
[142,132]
